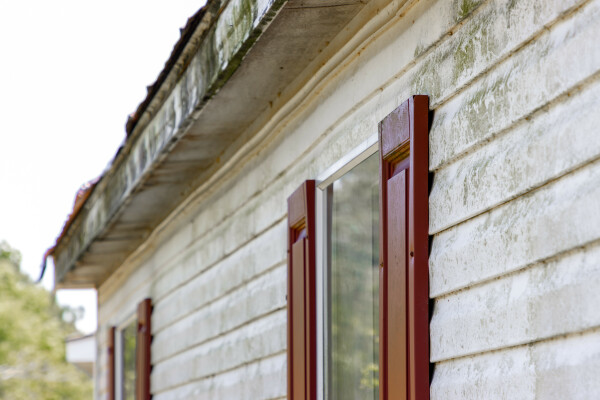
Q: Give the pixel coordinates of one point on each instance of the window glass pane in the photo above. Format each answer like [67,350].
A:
[352,334]
[128,343]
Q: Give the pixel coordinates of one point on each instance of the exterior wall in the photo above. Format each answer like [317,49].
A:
[514,210]
[81,351]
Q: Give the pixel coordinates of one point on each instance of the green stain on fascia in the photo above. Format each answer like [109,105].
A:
[247,37]
[244,14]
[224,48]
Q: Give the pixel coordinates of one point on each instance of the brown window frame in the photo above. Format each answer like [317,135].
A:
[143,364]
[404,276]
[404,251]
[302,333]
[110,364]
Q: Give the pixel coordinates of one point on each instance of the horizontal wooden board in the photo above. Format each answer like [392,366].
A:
[548,299]
[263,379]
[217,282]
[552,143]
[555,218]
[528,80]
[563,368]
[256,299]
[259,339]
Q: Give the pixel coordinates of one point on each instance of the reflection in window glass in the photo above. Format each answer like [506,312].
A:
[128,343]
[352,333]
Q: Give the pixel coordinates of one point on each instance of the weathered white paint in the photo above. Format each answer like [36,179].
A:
[515,118]
[223,277]
[254,341]
[264,379]
[563,368]
[555,218]
[260,297]
[563,134]
[561,58]
[549,299]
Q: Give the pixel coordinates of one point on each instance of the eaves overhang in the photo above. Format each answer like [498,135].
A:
[232,62]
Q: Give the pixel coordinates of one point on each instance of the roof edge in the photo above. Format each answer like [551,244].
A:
[225,33]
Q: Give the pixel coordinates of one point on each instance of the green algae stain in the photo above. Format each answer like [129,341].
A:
[473,43]
[484,102]
[244,14]
[237,40]
[465,7]
[419,49]
[426,80]
[464,57]
[476,43]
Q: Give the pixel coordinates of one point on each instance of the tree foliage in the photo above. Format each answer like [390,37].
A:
[32,340]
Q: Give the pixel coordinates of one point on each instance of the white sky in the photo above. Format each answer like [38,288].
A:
[70,73]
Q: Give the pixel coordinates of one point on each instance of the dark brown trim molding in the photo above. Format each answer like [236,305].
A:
[143,357]
[110,364]
[404,245]
[302,334]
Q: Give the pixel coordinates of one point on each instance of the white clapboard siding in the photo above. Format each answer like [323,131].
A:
[264,379]
[266,250]
[439,73]
[548,299]
[210,251]
[565,136]
[555,218]
[260,297]
[221,279]
[550,66]
[243,232]
[423,77]
[558,369]
[405,47]
[171,248]
[256,340]
[495,30]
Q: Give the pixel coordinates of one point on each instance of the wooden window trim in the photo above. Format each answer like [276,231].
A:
[143,360]
[110,364]
[143,363]
[404,247]
[404,275]
[302,333]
